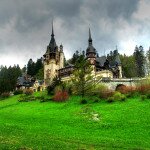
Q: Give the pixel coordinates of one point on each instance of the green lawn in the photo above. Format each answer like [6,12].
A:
[60,126]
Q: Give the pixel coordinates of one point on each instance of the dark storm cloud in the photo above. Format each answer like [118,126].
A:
[120,8]
[25,25]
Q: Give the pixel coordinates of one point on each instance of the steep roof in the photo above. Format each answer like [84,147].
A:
[101,60]
[51,48]
[90,48]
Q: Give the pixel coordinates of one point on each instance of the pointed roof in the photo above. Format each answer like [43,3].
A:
[52,30]
[90,38]
[90,48]
[52,44]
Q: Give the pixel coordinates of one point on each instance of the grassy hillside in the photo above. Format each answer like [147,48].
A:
[62,126]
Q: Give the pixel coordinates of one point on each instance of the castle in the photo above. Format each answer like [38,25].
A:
[54,62]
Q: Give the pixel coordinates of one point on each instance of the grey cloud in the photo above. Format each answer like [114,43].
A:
[122,8]
[30,23]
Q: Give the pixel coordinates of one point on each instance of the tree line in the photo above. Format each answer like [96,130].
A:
[9,75]
[8,78]
[35,69]
[135,65]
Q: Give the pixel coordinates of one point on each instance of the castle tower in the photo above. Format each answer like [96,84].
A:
[61,65]
[51,60]
[91,51]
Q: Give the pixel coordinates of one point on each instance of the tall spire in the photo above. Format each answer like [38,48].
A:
[90,48]
[52,41]
[90,34]
[52,29]
[90,38]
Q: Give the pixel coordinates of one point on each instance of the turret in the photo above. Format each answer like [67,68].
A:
[91,51]
[51,60]
[61,57]
[52,48]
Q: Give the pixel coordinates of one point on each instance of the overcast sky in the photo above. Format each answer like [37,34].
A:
[25,27]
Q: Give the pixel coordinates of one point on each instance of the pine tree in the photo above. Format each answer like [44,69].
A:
[38,65]
[139,61]
[128,66]
[31,68]
[24,70]
[82,78]
[8,78]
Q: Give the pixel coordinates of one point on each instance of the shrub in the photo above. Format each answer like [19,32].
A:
[83,101]
[143,97]
[132,94]
[143,89]
[96,100]
[148,96]
[26,98]
[106,93]
[46,100]
[61,96]
[17,92]
[50,89]
[118,96]
[123,97]
[56,82]
[110,99]
[58,88]
[28,92]
[127,89]
[97,89]
[69,88]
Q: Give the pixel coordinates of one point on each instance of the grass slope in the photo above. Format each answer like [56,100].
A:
[50,126]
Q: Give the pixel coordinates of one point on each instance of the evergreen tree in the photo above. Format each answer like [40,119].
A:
[148,54]
[34,69]
[31,68]
[8,78]
[38,65]
[40,74]
[82,78]
[112,55]
[75,57]
[139,61]
[128,66]
[24,70]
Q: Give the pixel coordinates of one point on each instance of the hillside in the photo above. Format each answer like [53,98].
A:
[50,125]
